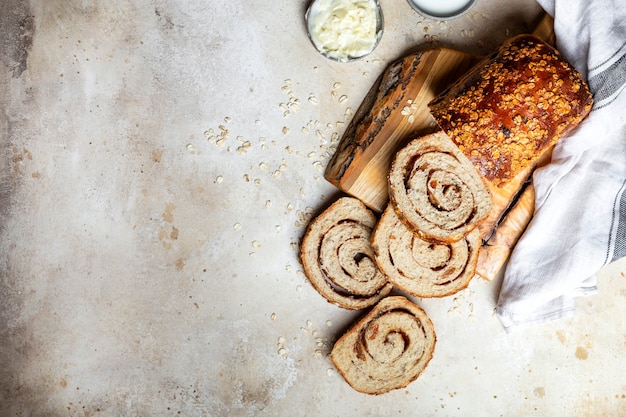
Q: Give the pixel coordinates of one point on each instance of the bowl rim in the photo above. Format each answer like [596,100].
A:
[452,16]
[380,27]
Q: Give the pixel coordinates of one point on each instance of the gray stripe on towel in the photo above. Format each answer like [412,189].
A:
[606,83]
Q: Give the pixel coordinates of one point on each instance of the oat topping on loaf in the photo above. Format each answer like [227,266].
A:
[511,107]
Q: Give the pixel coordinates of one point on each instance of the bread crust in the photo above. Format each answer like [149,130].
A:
[338,259]
[386,349]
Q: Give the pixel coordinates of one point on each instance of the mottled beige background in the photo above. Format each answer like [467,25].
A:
[159,161]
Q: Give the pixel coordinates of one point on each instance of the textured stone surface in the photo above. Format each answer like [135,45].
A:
[148,257]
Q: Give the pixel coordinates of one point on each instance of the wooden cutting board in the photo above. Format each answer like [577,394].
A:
[394,112]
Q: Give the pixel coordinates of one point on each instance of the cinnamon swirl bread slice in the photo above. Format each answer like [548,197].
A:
[386,349]
[419,267]
[435,189]
[338,259]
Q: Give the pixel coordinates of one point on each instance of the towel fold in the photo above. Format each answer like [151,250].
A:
[579,224]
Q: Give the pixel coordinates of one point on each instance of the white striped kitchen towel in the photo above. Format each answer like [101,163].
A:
[579,224]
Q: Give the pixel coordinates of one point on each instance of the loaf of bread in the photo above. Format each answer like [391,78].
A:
[387,349]
[436,191]
[510,108]
[419,267]
[338,259]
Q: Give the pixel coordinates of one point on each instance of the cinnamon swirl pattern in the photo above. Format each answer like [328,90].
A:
[387,349]
[436,190]
[419,267]
[338,258]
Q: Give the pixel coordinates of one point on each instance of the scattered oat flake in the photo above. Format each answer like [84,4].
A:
[237,226]
[318,165]
[244,147]
[263,166]
[268,203]
[285,130]
[273,317]
[343,98]
[219,179]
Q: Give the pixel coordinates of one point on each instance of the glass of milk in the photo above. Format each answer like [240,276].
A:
[441,9]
